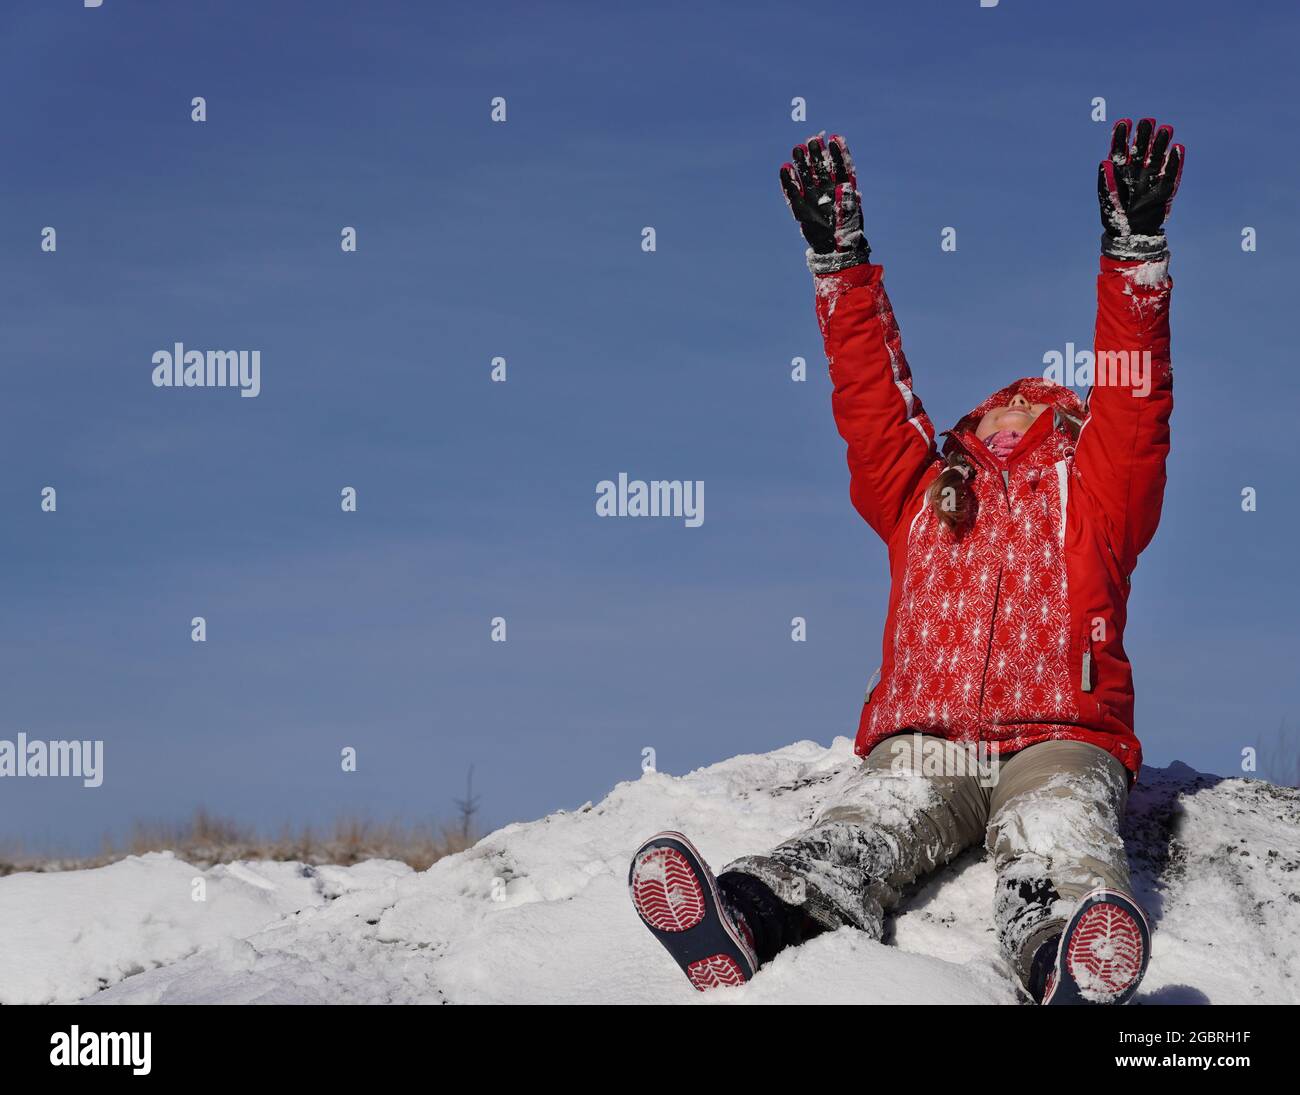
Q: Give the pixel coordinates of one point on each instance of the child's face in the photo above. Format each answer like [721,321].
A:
[1017,415]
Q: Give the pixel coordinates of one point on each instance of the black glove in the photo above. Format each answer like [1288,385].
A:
[822,192]
[1136,187]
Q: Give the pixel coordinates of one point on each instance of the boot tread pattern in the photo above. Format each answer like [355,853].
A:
[719,971]
[1105,951]
[666,892]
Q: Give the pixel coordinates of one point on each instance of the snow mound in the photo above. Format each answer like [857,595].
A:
[70,933]
[538,912]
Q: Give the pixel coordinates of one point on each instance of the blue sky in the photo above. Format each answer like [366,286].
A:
[522,240]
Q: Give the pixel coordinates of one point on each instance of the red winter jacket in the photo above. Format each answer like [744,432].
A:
[1013,631]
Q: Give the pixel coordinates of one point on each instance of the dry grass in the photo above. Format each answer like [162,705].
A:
[206,839]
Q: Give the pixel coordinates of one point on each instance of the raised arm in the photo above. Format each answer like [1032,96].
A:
[1121,453]
[890,438]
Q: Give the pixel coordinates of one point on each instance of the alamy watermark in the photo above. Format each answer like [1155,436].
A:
[657,498]
[104,1048]
[1106,369]
[182,368]
[930,756]
[26,758]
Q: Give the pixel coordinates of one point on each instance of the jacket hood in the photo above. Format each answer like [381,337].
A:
[1036,390]
[1033,388]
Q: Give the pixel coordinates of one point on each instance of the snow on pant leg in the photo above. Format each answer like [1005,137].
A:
[894,823]
[1054,835]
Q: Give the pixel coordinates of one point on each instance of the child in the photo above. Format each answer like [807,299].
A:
[1010,555]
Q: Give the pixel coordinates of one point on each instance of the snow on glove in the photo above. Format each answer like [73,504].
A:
[1136,186]
[822,192]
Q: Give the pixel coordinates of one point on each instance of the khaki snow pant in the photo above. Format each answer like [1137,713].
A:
[1049,816]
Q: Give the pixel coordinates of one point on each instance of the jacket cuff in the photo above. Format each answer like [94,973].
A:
[1149,273]
[1135,248]
[836,261]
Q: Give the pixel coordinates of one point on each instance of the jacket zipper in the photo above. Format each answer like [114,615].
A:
[988,649]
[997,596]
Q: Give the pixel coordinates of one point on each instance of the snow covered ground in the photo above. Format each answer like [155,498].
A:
[538,912]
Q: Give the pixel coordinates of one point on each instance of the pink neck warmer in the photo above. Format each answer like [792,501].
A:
[1003,443]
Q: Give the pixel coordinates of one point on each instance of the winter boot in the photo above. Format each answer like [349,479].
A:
[1099,958]
[678,899]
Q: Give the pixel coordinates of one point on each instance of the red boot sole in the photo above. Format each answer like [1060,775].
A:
[665,891]
[719,971]
[1105,951]
[670,897]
